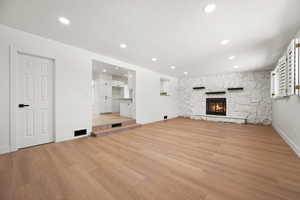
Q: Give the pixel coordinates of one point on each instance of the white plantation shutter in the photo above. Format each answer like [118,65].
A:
[285,79]
[292,60]
[273,79]
[282,76]
[297,66]
[275,83]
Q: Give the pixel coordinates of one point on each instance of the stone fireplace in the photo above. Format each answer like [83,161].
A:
[252,104]
[216,106]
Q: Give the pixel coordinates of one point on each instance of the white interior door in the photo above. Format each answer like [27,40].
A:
[105,92]
[102,95]
[108,97]
[34,98]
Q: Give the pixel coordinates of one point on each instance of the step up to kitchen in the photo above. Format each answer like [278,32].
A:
[113,125]
[115,130]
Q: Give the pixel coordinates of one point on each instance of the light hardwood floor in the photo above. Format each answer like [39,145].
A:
[175,160]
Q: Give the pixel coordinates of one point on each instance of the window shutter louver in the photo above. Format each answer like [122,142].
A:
[275,82]
[291,68]
[285,78]
[273,73]
[282,76]
[297,66]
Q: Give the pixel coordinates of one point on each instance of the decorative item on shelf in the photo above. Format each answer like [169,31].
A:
[164,94]
[198,88]
[297,87]
[235,89]
[218,92]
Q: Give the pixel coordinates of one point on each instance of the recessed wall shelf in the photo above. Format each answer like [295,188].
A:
[198,88]
[219,92]
[234,89]
[164,87]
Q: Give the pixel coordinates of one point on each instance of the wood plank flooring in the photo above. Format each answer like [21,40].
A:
[180,159]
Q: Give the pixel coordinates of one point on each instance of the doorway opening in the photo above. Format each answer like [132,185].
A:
[113,93]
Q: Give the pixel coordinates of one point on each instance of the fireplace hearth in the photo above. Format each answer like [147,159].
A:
[216,106]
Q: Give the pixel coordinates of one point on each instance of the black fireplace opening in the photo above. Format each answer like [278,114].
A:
[216,106]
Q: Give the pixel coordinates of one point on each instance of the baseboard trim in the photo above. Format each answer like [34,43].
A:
[4,149]
[295,148]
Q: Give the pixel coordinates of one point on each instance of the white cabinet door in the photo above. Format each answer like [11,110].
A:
[125,109]
[34,89]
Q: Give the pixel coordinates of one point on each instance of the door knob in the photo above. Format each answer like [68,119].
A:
[23,105]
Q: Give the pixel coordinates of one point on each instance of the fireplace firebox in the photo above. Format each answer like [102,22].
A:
[216,106]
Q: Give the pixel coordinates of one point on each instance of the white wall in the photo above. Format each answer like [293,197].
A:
[73,75]
[286,119]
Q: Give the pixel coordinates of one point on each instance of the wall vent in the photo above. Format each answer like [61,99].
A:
[80,132]
[116,125]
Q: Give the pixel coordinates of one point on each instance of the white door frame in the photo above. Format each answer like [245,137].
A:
[14,51]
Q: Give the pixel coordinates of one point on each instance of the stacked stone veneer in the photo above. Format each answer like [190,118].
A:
[252,103]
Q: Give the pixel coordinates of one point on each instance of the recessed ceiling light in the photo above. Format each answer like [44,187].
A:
[173,67]
[123,46]
[185,73]
[231,57]
[210,8]
[64,20]
[104,70]
[235,67]
[224,42]
[154,59]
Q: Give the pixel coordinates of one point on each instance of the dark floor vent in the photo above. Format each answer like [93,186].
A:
[116,125]
[80,132]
